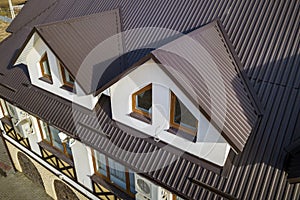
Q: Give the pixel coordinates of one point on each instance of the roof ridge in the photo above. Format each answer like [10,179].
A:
[39,14]
[238,66]
[74,19]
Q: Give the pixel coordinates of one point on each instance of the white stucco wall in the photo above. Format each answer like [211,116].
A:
[210,144]
[32,61]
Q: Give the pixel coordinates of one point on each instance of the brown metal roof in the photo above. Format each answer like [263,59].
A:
[266,39]
[72,40]
[32,10]
[203,66]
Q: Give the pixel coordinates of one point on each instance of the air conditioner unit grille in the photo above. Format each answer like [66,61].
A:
[144,186]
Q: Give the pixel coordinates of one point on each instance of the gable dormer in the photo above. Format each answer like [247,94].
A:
[200,100]
[54,54]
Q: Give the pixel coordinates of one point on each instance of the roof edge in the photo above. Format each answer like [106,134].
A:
[20,50]
[126,72]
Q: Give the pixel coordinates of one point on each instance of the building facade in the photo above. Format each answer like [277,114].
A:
[112,100]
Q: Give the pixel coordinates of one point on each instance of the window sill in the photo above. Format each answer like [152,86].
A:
[182,134]
[68,88]
[141,117]
[47,80]
[56,153]
[123,195]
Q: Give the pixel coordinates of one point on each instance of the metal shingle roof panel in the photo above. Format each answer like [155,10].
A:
[266,38]
[202,65]
[72,40]
[32,10]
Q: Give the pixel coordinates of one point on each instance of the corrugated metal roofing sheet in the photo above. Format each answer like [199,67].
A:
[266,39]
[32,10]
[201,63]
[72,40]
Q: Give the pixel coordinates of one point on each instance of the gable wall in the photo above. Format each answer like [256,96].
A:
[32,61]
[210,144]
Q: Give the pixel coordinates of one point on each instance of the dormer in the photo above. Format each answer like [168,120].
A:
[55,54]
[190,94]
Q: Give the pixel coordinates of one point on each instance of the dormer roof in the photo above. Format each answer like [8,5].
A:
[204,65]
[72,40]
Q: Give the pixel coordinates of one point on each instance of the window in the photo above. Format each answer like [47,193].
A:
[45,69]
[101,164]
[117,173]
[68,80]
[181,118]
[114,172]
[142,101]
[12,111]
[50,136]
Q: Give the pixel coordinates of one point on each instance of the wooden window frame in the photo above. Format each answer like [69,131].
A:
[107,178]
[45,77]
[175,125]
[63,75]
[65,152]
[134,103]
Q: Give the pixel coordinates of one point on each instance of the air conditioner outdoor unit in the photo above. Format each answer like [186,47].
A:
[23,126]
[146,190]
[164,194]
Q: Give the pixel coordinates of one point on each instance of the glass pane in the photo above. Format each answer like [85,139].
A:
[101,163]
[11,110]
[68,77]
[144,101]
[132,184]
[55,138]
[46,68]
[68,148]
[46,134]
[183,116]
[117,173]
